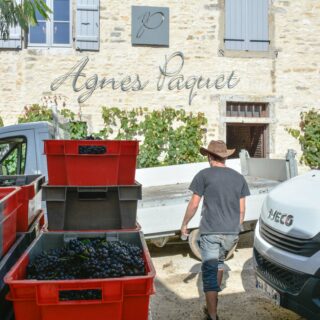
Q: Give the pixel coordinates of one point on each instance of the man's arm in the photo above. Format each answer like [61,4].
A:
[190,212]
[242,209]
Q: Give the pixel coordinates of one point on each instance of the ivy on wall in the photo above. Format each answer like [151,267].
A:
[36,112]
[76,129]
[309,137]
[168,136]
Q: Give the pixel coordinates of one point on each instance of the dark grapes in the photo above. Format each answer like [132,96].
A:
[87,259]
[91,137]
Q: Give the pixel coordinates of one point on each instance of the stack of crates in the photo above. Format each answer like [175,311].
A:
[91,193]
[21,220]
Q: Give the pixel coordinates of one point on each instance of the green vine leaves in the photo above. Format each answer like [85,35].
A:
[35,112]
[309,137]
[168,136]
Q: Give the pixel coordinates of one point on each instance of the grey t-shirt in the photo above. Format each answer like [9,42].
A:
[221,188]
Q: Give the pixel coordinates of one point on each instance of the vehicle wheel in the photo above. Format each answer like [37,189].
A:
[193,243]
[231,252]
[194,246]
[159,242]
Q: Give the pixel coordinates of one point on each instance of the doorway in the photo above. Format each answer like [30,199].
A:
[252,137]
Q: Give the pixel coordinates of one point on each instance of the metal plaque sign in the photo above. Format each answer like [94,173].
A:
[150,26]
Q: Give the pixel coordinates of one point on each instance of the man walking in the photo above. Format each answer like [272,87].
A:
[223,190]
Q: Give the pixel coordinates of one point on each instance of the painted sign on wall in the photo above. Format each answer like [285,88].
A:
[170,77]
[150,26]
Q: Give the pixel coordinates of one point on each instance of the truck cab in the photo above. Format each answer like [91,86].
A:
[21,147]
[287,245]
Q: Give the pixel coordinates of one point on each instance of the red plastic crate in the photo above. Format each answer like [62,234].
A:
[125,298]
[21,243]
[29,197]
[67,167]
[9,205]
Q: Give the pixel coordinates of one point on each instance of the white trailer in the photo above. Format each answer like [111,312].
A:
[165,189]
[166,195]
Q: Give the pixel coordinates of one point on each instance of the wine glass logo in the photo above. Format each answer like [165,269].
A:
[150,21]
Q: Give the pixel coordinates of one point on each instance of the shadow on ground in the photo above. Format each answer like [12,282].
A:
[179,296]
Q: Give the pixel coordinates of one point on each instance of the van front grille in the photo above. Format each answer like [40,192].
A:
[281,277]
[303,247]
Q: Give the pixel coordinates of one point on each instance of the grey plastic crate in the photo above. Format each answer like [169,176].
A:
[91,208]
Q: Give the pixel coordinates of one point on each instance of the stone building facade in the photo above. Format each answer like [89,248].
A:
[253,93]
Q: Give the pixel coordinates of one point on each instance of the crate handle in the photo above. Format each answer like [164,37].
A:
[49,294]
[74,292]
[92,149]
[94,193]
[92,189]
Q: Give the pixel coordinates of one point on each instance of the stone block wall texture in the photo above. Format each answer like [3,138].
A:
[288,79]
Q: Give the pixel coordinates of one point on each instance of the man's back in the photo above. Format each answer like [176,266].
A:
[221,188]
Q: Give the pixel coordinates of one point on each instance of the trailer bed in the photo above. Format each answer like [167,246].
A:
[181,190]
[161,210]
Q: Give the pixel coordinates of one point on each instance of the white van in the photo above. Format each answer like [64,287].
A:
[287,245]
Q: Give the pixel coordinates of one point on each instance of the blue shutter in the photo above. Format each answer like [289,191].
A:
[235,25]
[14,40]
[87,31]
[258,25]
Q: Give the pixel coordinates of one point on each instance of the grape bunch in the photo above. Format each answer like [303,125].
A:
[91,137]
[92,149]
[88,259]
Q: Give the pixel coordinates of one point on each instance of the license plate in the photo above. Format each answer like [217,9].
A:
[274,295]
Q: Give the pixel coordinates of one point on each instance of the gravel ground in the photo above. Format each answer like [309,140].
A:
[179,295]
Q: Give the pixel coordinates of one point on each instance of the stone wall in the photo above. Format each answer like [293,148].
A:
[287,79]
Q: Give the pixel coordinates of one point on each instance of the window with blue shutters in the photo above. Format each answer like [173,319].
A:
[247,25]
[56,32]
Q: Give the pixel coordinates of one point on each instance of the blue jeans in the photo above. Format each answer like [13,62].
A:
[214,248]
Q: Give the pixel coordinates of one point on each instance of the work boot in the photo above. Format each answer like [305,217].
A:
[209,318]
[205,311]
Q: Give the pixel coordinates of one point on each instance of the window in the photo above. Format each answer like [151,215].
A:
[56,31]
[247,109]
[247,25]
[13,156]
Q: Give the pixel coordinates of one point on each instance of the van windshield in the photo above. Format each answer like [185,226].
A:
[13,155]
